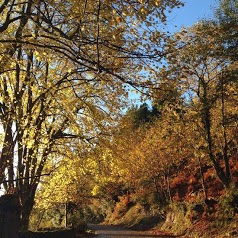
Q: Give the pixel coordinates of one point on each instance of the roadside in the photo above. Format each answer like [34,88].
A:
[113,231]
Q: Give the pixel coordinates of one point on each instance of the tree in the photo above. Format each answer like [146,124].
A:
[163,148]
[226,19]
[62,69]
[72,180]
[142,114]
[198,64]
[146,154]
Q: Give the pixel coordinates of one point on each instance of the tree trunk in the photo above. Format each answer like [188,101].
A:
[225,147]
[26,211]
[168,187]
[160,195]
[27,200]
[203,180]
[207,126]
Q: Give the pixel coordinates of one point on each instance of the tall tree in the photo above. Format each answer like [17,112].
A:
[63,66]
[198,65]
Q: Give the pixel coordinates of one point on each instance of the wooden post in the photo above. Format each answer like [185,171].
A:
[10,210]
[66,215]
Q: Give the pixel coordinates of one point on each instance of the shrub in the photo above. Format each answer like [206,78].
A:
[178,218]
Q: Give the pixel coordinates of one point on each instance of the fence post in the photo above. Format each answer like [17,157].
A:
[10,209]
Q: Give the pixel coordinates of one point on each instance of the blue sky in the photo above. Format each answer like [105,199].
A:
[193,11]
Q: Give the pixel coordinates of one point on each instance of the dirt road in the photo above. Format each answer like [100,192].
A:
[103,231]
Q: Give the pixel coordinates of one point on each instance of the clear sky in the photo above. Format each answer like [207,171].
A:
[193,11]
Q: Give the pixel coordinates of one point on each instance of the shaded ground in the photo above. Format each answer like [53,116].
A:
[106,231]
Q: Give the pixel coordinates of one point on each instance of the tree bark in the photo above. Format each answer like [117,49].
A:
[27,206]
[225,147]
[168,187]
[203,180]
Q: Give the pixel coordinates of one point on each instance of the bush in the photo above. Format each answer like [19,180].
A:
[178,218]
[227,209]
[76,221]
[47,218]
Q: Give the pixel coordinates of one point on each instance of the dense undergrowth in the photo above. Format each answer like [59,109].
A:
[189,214]
[188,219]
